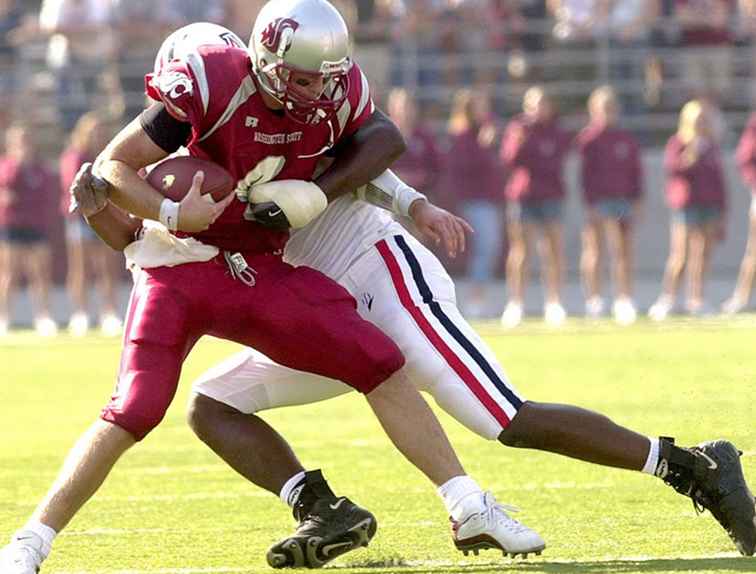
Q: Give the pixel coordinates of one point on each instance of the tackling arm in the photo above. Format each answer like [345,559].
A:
[363,156]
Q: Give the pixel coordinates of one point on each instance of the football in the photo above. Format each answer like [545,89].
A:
[173,178]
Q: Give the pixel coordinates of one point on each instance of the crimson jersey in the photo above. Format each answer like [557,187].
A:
[214,90]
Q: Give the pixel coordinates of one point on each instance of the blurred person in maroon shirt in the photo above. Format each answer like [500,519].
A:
[746,158]
[533,149]
[473,176]
[696,194]
[27,203]
[92,132]
[612,182]
[420,165]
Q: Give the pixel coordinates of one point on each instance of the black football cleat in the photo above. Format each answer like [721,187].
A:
[332,527]
[716,484]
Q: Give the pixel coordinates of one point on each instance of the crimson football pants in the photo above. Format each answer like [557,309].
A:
[296,316]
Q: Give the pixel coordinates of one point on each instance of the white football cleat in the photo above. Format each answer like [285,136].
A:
[554,314]
[78,325]
[624,311]
[512,315]
[111,326]
[494,528]
[45,327]
[23,555]
[3,327]
[661,309]
[594,307]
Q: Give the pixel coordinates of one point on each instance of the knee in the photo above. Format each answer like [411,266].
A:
[137,422]
[516,434]
[203,414]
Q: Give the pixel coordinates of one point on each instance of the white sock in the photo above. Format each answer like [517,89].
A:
[292,488]
[462,496]
[46,533]
[652,460]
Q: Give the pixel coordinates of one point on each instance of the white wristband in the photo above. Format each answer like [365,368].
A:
[169,213]
[405,197]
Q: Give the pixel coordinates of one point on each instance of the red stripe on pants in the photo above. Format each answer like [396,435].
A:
[447,353]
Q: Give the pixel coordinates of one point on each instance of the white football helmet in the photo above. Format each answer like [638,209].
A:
[188,38]
[308,37]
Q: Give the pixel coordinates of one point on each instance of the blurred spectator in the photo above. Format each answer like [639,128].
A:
[27,204]
[575,20]
[534,14]
[372,16]
[503,24]
[706,34]
[746,158]
[576,27]
[10,20]
[534,149]
[416,30]
[141,27]
[628,25]
[696,194]
[189,11]
[241,16]
[92,132]
[473,175]
[420,165]
[79,51]
[612,182]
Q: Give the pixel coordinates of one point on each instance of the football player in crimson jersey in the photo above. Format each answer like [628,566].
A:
[402,288]
[267,117]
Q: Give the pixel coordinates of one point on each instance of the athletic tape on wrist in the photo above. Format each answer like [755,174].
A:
[169,214]
[405,197]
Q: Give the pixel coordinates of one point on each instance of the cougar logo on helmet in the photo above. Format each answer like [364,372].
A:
[279,29]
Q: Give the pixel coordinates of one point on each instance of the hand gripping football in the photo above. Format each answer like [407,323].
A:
[173,178]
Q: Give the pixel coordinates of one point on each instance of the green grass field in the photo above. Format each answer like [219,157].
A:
[172,507]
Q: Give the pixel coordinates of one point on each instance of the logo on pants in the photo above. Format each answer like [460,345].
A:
[367,299]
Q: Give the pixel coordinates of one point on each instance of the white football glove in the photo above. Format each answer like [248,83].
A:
[298,200]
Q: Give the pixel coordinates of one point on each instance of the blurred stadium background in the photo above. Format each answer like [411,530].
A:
[62,58]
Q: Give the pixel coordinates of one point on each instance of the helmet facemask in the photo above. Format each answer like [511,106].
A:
[280,81]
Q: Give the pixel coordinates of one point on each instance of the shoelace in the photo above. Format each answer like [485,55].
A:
[498,514]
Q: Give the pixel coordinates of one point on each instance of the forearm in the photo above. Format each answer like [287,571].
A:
[129,191]
[369,152]
[119,165]
[389,192]
[114,227]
